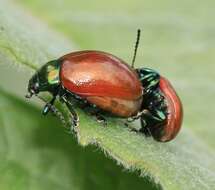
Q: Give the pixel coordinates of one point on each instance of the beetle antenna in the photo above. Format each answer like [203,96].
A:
[55,111]
[136,47]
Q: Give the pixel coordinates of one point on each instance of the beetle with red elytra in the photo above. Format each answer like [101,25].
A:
[105,83]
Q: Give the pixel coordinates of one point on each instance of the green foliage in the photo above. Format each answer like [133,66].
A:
[36,153]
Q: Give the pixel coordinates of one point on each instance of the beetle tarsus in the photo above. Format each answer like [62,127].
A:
[101,119]
[48,106]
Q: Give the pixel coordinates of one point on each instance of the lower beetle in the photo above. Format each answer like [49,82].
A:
[104,82]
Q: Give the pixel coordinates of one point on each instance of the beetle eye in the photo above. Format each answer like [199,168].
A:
[36,85]
[35,88]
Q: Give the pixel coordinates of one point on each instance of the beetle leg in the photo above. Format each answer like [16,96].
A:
[74,115]
[75,118]
[99,118]
[47,107]
[50,107]
[144,128]
[139,114]
[150,121]
[92,110]
[58,114]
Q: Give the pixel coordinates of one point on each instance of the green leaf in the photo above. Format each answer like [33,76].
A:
[36,153]
[185,163]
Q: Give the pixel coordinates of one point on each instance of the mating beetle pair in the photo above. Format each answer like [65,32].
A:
[106,83]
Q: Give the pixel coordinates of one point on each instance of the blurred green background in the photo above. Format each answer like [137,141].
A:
[178,40]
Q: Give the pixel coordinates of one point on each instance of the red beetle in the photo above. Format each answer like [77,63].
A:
[104,82]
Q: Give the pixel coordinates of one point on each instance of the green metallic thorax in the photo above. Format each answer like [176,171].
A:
[149,78]
[153,97]
[48,76]
[53,74]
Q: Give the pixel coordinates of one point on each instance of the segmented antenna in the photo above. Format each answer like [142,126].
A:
[136,46]
[55,111]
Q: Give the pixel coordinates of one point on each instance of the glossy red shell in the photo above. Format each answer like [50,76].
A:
[102,79]
[174,109]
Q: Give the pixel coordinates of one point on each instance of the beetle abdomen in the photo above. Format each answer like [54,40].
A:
[116,106]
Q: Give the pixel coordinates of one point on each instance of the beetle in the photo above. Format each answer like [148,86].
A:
[106,83]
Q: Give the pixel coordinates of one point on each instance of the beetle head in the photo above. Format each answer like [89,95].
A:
[33,86]
[45,79]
